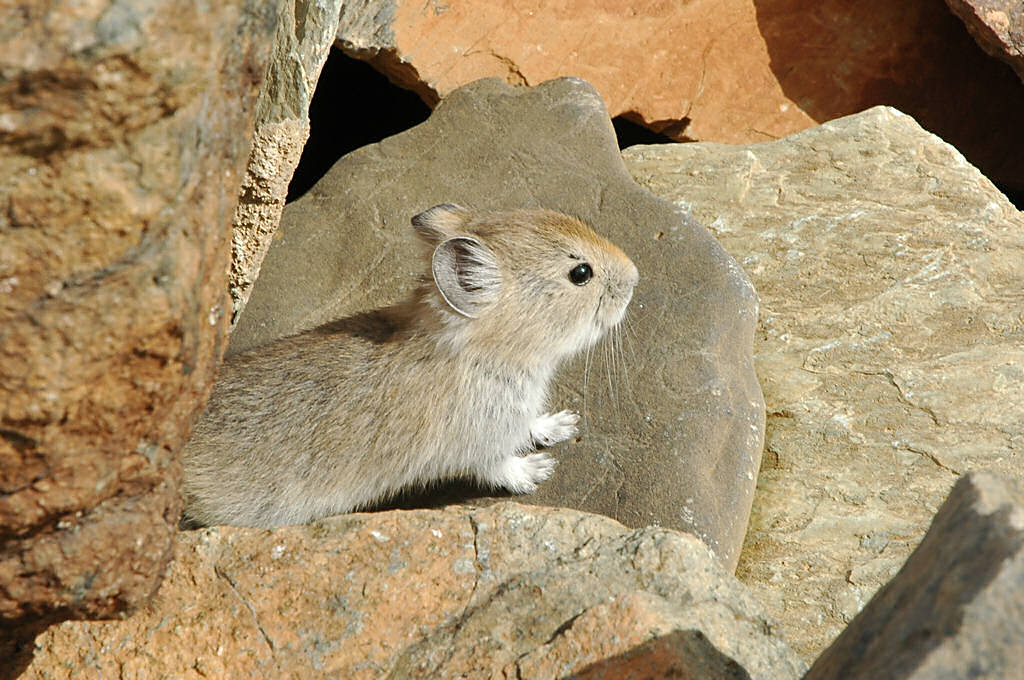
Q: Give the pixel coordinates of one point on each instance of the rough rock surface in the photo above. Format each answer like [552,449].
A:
[680,655]
[124,128]
[997,25]
[956,609]
[671,437]
[889,350]
[305,33]
[735,71]
[498,592]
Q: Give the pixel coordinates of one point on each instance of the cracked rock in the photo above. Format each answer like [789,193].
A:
[671,415]
[503,591]
[889,345]
[124,130]
[305,33]
[956,608]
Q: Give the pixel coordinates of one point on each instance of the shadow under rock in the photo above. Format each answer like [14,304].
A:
[354,105]
[17,646]
[834,58]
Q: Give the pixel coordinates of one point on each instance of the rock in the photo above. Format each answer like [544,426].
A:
[680,655]
[305,32]
[124,128]
[737,71]
[460,592]
[997,25]
[889,347]
[673,435]
[956,608]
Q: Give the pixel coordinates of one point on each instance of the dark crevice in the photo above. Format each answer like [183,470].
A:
[354,105]
[629,133]
[20,442]
[17,642]
[1016,196]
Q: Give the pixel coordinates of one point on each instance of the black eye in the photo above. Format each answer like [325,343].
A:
[581,274]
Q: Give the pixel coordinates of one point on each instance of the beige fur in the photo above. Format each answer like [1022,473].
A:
[450,383]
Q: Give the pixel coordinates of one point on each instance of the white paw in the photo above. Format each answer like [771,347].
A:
[552,428]
[521,474]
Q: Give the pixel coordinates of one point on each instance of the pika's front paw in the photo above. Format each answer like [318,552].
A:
[522,474]
[552,428]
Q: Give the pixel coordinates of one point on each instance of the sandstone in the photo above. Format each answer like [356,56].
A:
[305,32]
[124,127]
[672,423]
[956,608]
[503,591]
[889,344]
[736,71]
[997,25]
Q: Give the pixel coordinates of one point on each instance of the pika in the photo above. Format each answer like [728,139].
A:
[450,383]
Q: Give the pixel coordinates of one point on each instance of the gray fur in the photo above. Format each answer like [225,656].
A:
[348,414]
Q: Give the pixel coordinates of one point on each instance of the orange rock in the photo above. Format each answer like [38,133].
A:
[124,128]
[736,71]
[498,592]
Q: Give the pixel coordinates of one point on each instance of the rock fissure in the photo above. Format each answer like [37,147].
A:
[221,573]
[904,399]
[933,458]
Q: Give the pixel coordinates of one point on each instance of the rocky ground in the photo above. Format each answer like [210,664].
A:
[504,591]
[889,345]
[889,350]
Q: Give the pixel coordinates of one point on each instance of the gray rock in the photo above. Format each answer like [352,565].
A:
[889,348]
[672,422]
[364,27]
[498,592]
[305,32]
[956,608]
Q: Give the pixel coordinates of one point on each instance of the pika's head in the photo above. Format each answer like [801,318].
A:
[532,285]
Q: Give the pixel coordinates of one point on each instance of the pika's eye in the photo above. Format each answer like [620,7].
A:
[581,274]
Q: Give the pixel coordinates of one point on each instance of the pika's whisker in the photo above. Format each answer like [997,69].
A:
[586,380]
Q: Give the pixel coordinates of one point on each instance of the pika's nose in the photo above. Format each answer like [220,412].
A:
[628,282]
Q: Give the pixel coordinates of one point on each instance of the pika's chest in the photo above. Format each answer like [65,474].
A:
[502,405]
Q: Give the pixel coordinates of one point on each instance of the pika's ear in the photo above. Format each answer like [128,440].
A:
[436,224]
[466,274]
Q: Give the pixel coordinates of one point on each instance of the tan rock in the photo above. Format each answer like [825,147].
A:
[889,349]
[124,127]
[736,71]
[460,592]
[305,32]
